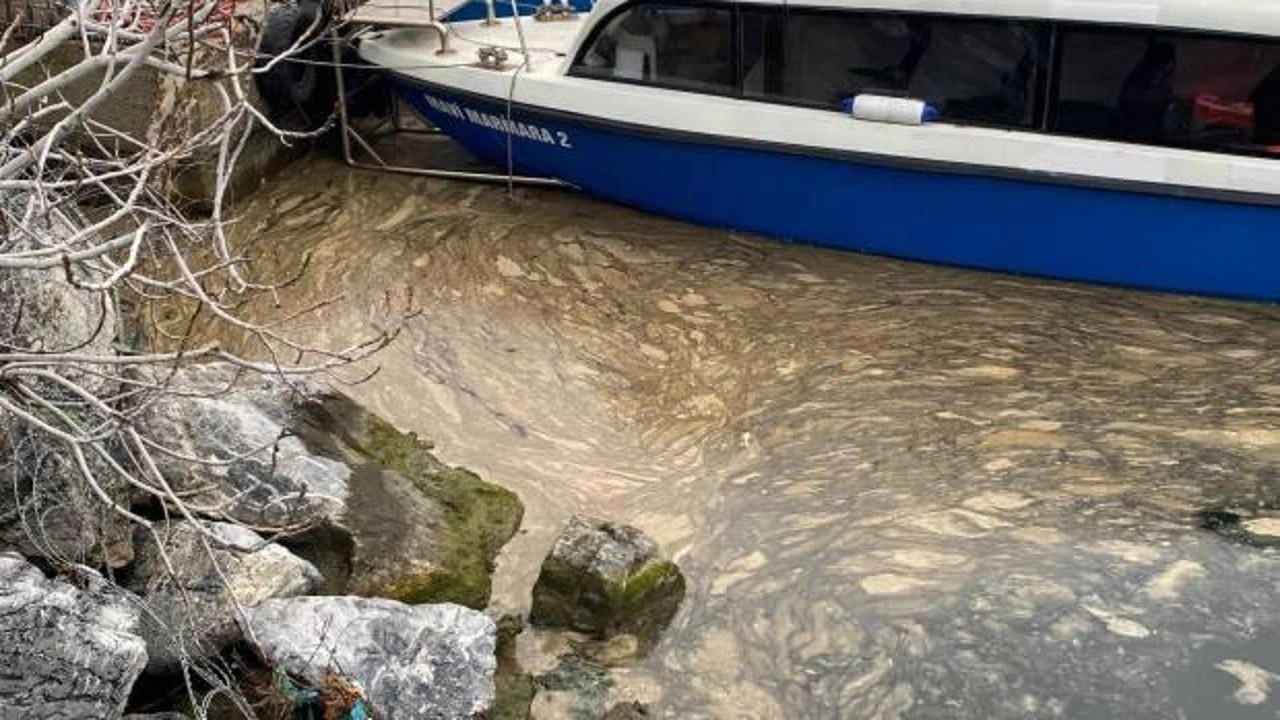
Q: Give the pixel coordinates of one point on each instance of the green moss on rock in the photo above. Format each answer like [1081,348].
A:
[648,598]
[465,586]
[627,711]
[513,696]
[606,579]
[396,450]
[423,531]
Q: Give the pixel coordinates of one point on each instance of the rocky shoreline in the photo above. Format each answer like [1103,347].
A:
[364,594]
[233,542]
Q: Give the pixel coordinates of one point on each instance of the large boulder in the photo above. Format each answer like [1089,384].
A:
[606,579]
[422,531]
[192,611]
[67,653]
[167,109]
[427,537]
[40,311]
[419,662]
[256,472]
[383,516]
[47,507]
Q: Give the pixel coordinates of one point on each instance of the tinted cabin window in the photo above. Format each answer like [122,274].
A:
[762,52]
[1137,85]
[819,58]
[983,71]
[1165,88]
[681,46]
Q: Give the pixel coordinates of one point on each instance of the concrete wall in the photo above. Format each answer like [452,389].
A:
[151,103]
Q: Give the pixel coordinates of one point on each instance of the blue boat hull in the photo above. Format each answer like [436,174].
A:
[1111,236]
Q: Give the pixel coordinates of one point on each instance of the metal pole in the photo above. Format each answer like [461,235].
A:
[344,126]
[488,178]
[439,27]
[348,132]
[524,49]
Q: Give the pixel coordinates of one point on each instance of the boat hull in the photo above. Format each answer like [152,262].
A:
[955,217]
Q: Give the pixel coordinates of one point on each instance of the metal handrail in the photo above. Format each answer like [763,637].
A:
[348,133]
[524,48]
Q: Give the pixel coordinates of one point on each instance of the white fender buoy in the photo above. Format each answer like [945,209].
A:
[885,109]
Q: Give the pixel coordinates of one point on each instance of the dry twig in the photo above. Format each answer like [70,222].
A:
[85,208]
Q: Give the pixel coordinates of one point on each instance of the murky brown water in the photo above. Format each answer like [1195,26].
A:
[896,489]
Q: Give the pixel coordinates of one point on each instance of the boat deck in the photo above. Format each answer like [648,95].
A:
[408,42]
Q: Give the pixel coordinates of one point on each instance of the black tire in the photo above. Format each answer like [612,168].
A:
[300,90]
[368,93]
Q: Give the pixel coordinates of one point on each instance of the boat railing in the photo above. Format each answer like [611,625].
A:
[374,17]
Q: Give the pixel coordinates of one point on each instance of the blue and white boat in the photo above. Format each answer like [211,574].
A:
[1132,142]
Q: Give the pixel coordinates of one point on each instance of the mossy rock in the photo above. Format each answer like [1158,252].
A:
[421,531]
[627,711]
[579,684]
[513,696]
[606,579]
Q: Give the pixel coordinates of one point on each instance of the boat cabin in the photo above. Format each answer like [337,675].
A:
[1132,142]
[1174,73]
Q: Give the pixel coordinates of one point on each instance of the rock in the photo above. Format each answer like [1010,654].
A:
[627,711]
[66,652]
[514,689]
[421,530]
[193,612]
[156,716]
[577,686]
[163,108]
[606,579]
[428,537]
[41,312]
[421,662]
[46,507]
[387,519]
[264,476]
[513,696]
[617,650]
[183,108]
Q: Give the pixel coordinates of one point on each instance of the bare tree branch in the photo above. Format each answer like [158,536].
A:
[86,213]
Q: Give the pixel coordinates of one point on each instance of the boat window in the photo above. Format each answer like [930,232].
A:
[1141,85]
[682,46]
[1169,88]
[762,52]
[972,70]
